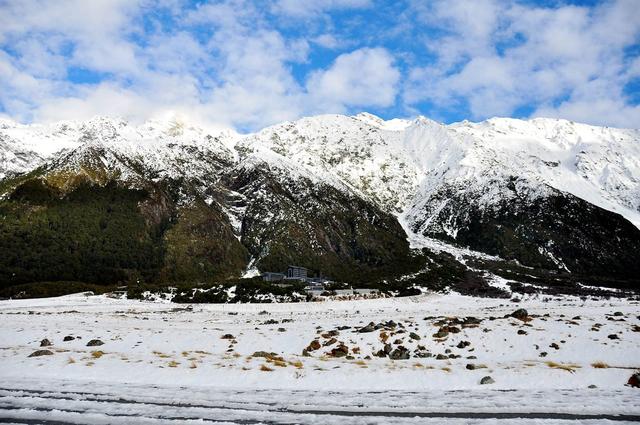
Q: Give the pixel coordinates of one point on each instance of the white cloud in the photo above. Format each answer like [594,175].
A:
[239,63]
[497,62]
[365,77]
[298,8]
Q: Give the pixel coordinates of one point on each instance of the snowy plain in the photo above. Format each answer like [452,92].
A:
[170,363]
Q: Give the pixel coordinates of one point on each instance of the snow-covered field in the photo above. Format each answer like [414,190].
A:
[164,362]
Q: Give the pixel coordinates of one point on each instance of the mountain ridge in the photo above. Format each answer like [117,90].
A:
[483,186]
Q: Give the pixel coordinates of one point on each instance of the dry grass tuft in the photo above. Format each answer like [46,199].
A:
[193,365]
[446,369]
[97,354]
[265,368]
[600,365]
[71,360]
[568,367]
[279,363]
[173,363]
[297,364]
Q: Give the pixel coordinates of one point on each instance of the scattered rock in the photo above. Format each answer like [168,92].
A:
[441,334]
[340,351]
[634,381]
[471,321]
[400,353]
[45,343]
[554,345]
[463,344]
[543,354]
[330,342]
[227,336]
[471,366]
[613,336]
[522,332]
[592,386]
[94,343]
[314,345]
[68,338]
[369,328]
[415,336]
[442,357]
[487,380]
[282,330]
[618,314]
[520,314]
[41,353]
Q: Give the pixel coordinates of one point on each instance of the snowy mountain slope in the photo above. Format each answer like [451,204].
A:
[519,190]
[359,150]
[160,149]
[393,162]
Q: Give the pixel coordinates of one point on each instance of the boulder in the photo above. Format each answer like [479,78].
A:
[400,353]
[520,314]
[68,338]
[314,345]
[94,343]
[369,328]
[487,380]
[340,351]
[45,343]
[634,381]
[415,336]
[41,353]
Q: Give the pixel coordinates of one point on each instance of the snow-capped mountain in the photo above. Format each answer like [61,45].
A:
[547,193]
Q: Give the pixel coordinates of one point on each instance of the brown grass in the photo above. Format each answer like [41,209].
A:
[297,364]
[446,369]
[265,368]
[173,363]
[97,354]
[568,367]
[600,365]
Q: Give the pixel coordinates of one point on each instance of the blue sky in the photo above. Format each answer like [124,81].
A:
[251,64]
